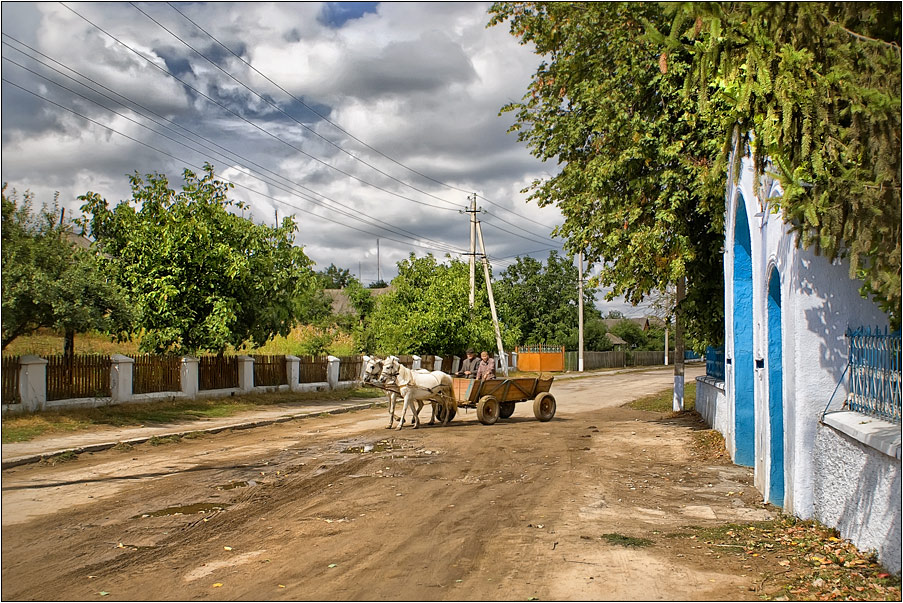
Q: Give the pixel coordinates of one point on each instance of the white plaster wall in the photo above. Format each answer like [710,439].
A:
[857,490]
[819,303]
[711,403]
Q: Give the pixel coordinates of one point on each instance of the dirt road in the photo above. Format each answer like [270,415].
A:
[339,508]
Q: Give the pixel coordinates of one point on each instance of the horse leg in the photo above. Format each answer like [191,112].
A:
[416,407]
[408,397]
[433,406]
[392,399]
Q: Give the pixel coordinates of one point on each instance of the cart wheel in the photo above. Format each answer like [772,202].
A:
[440,414]
[506,409]
[544,406]
[488,410]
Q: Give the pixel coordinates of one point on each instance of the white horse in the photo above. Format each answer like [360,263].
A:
[372,371]
[417,386]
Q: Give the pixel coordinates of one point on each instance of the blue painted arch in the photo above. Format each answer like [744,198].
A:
[775,391]
[744,367]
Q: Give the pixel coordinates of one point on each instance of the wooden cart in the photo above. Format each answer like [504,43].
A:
[495,398]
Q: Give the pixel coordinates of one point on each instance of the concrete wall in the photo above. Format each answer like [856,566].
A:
[819,302]
[711,403]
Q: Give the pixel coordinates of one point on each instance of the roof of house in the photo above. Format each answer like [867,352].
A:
[615,340]
[342,305]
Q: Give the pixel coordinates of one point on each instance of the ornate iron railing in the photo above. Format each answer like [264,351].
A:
[874,381]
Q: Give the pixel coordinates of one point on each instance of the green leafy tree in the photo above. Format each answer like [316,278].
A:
[334,277]
[630,332]
[426,311]
[595,336]
[202,277]
[541,299]
[635,187]
[814,89]
[49,282]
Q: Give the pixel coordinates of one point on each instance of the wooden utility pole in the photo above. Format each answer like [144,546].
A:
[378,278]
[495,318]
[473,247]
[678,401]
[580,312]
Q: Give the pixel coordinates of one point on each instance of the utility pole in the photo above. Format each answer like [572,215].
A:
[495,318]
[473,247]
[377,262]
[678,401]
[580,312]
[666,345]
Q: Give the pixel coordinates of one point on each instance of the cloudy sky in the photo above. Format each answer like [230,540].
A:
[367,121]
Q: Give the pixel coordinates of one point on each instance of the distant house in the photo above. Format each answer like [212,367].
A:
[617,342]
[788,314]
[342,305]
[643,323]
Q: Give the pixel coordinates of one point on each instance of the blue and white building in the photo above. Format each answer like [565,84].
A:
[781,400]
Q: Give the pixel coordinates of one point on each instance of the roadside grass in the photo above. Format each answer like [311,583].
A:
[627,541]
[662,401]
[21,428]
[46,342]
[808,561]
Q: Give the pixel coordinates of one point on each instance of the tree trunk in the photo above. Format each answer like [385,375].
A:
[678,400]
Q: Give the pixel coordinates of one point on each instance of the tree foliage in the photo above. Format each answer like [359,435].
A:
[426,311]
[541,300]
[202,277]
[49,282]
[334,277]
[635,185]
[815,90]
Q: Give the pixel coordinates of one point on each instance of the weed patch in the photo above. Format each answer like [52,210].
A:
[57,459]
[664,400]
[628,541]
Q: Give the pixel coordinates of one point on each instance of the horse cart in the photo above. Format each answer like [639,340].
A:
[496,398]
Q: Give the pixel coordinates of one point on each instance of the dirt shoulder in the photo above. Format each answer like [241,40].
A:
[597,504]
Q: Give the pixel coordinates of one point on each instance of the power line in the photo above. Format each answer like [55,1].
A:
[335,125]
[249,122]
[395,230]
[278,108]
[311,109]
[188,163]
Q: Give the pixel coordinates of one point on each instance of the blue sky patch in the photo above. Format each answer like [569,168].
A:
[336,14]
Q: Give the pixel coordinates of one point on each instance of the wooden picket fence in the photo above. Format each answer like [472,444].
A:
[11,380]
[269,370]
[152,373]
[312,369]
[217,372]
[350,367]
[87,377]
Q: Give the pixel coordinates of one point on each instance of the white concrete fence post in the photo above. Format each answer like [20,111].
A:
[415,363]
[364,361]
[332,372]
[293,372]
[190,377]
[456,364]
[245,374]
[437,364]
[121,378]
[33,382]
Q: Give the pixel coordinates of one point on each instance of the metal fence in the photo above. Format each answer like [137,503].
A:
[350,368]
[88,376]
[269,370]
[312,369]
[714,362]
[11,380]
[875,373]
[217,372]
[153,373]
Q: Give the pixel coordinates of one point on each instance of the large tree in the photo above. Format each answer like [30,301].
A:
[635,185]
[203,277]
[426,311]
[814,88]
[50,282]
[541,300]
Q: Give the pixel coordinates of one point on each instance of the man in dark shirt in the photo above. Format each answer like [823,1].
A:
[469,365]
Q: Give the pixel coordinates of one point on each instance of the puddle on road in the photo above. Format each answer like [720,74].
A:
[380,446]
[184,510]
